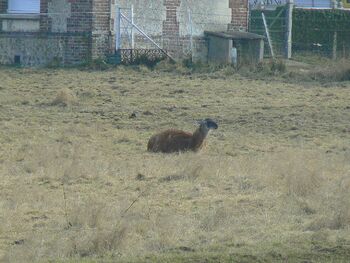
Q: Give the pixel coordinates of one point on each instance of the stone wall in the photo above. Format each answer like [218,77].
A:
[43,49]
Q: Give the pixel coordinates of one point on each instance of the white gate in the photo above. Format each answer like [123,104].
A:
[125,28]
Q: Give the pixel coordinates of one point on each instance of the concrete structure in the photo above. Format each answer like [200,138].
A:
[235,47]
[36,32]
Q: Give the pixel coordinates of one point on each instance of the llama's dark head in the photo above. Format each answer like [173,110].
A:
[207,124]
[210,124]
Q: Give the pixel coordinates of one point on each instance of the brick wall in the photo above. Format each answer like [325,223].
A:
[102,39]
[80,19]
[71,31]
[239,15]
[3,6]
[171,29]
[81,16]
[77,49]
[42,49]
[102,15]
[45,22]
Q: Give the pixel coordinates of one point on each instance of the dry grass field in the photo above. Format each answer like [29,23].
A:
[77,185]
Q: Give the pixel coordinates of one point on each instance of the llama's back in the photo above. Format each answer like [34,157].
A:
[170,141]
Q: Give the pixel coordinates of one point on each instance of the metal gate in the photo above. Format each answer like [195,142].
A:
[126,30]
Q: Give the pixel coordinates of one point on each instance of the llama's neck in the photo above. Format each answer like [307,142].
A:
[198,138]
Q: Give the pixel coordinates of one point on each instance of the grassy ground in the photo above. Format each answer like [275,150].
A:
[77,185]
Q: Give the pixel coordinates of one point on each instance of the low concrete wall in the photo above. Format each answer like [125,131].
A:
[250,51]
[220,50]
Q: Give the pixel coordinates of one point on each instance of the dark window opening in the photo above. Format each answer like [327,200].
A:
[17,59]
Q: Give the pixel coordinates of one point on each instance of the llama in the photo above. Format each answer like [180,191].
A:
[172,140]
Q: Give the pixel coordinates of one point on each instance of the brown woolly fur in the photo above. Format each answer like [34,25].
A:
[172,140]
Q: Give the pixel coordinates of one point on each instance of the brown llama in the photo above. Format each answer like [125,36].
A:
[172,140]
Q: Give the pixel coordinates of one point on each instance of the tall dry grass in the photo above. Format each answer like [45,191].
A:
[78,185]
[88,205]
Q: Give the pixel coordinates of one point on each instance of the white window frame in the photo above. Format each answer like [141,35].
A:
[23,7]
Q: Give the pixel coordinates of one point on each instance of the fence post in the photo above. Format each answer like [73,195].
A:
[334,51]
[132,28]
[289,25]
[117,28]
[191,31]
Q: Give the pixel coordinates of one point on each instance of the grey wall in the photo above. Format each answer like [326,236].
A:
[205,15]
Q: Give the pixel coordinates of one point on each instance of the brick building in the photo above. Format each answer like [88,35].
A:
[179,25]
[39,32]
[42,31]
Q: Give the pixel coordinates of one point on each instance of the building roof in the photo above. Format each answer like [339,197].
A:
[234,35]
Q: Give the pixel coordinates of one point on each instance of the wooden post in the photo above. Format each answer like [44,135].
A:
[335,43]
[289,25]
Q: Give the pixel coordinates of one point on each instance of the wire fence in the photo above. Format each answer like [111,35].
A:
[322,32]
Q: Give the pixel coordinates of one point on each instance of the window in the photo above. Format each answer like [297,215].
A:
[24,6]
